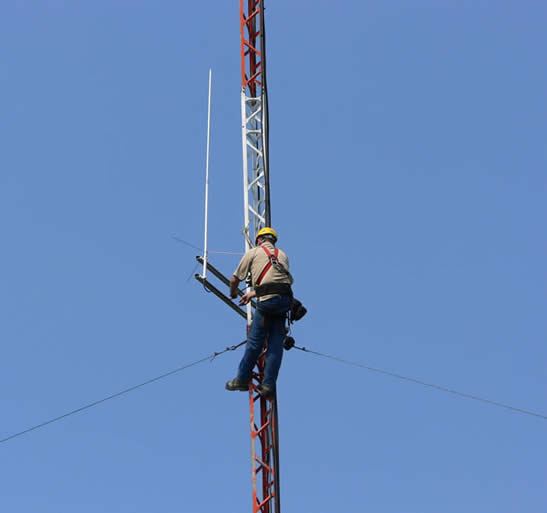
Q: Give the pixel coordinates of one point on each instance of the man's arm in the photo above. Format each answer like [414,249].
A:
[234,284]
[242,270]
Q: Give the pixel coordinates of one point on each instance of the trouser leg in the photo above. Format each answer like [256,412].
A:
[275,349]
[253,348]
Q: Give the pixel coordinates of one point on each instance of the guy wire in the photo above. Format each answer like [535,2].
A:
[121,392]
[423,383]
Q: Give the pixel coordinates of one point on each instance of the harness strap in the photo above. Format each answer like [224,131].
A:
[268,265]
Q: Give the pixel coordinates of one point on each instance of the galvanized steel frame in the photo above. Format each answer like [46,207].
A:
[254,186]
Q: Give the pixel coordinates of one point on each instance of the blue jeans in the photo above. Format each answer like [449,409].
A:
[268,321]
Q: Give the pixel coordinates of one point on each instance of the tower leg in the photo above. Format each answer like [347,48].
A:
[264,446]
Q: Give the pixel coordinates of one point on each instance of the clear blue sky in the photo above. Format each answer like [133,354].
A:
[408,162]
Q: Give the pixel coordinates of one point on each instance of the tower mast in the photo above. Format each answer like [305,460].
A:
[257,214]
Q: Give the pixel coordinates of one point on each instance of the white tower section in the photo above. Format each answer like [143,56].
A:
[254,192]
[254,123]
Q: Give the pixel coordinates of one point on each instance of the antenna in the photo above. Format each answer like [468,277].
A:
[204,273]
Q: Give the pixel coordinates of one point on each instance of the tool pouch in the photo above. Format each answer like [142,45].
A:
[297,311]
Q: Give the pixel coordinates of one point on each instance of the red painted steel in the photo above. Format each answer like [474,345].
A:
[251,58]
[263,430]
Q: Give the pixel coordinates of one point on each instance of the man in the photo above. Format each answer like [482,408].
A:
[271,281]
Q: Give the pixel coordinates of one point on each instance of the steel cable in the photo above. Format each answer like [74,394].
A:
[423,383]
[303,349]
[122,392]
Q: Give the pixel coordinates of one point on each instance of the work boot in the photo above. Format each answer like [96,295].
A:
[237,384]
[266,391]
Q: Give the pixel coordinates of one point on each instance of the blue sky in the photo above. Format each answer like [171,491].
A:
[408,165]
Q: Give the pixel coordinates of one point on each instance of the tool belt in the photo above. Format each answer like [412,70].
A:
[283,289]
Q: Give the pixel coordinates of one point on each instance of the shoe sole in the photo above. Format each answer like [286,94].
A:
[266,394]
[237,388]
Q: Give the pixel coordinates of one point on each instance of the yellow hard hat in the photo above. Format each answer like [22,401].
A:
[266,231]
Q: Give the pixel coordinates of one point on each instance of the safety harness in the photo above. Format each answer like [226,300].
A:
[283,289]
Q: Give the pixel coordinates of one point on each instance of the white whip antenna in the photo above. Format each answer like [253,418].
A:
[204,274]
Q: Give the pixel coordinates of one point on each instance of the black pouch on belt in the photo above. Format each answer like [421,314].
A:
[298,310]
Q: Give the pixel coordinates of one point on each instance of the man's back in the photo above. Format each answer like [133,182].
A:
[256,260]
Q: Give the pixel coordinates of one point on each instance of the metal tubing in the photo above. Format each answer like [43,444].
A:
[220,295]
[204,273]
[221,277]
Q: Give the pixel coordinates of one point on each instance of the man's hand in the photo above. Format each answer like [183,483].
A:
[246,298]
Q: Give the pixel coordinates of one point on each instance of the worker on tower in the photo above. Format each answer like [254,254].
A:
[271,281]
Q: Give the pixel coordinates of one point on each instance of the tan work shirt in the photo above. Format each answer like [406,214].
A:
[255,260]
